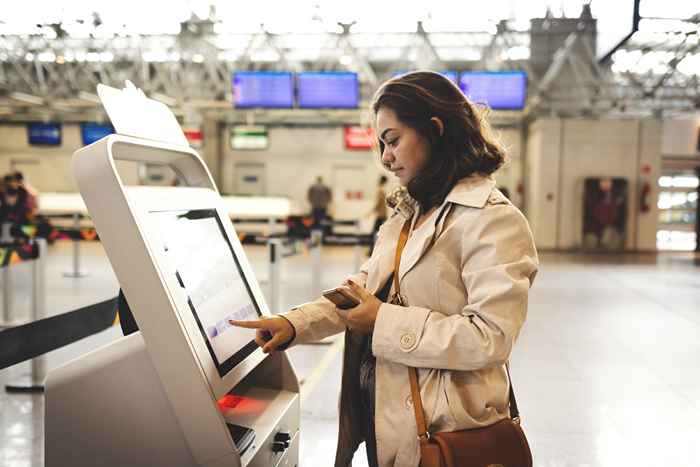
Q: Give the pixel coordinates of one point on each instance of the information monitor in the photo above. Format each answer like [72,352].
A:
[328,89]
[264,89]
[500,90]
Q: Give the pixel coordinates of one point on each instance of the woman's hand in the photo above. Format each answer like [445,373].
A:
[361,318]
[271,333]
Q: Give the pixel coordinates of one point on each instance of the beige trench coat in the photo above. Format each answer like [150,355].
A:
[467,301]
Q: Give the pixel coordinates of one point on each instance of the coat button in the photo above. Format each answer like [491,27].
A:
[409,403]
[407,340]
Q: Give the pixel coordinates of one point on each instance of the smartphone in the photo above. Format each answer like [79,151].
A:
[342,298]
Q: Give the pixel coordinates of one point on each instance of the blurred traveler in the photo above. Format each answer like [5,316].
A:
[379,210]
[32,201]
[13,202]
[319,196]
[455,305]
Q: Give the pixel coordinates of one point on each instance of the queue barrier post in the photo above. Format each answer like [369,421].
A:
[316,244]
[35,381]
[6,294]
[77,272]
[274,246]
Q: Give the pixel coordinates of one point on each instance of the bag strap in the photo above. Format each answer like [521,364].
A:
[512,403]
[423,433]
[403,238]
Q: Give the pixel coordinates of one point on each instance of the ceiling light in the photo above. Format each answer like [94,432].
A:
[27,98]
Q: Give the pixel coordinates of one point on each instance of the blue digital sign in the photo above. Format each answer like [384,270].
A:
[44,134]
[92,132]
[500,90]
[267,89]
[334,89]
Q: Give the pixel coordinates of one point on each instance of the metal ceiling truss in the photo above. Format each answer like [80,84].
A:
[56,78]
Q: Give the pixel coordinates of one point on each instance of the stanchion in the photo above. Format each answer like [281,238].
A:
[76,272]
[35,381]
[274,246]
[6,295]
[316,243]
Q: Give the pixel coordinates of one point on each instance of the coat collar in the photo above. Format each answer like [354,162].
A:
[472,191]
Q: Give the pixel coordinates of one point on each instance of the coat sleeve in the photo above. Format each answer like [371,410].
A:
[316,320]
[498,264]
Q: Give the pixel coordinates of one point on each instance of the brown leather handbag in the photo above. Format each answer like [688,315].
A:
[502,444]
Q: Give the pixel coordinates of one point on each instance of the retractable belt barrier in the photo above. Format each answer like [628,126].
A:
[31,340]
[330,240]
[14,253]
[20,342]
[76,234]
[59,233]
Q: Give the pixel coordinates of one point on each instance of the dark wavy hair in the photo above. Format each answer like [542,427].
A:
[466,145]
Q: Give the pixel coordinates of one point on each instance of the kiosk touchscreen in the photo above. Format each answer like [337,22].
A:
[207,270]
[188,389]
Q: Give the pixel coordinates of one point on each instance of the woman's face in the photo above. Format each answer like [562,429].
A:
[406,152]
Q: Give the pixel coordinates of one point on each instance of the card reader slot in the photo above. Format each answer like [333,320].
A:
[243,437]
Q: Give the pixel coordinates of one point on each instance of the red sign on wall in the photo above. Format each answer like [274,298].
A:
[194,136]
[359,138]
[352,194]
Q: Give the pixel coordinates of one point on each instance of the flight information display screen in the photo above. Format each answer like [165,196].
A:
[500,90]
[207,269]
[267,89]
[44,134]
[337,90]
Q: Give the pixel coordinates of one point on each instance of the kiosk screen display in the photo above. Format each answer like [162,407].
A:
[217,290]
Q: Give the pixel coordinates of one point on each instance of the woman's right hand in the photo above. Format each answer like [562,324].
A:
[271,333]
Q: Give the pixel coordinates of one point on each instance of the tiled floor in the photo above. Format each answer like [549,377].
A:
[606,368]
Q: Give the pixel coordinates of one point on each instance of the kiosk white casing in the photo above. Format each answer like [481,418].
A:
[151,398]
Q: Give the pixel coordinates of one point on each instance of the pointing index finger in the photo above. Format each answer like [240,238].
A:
[255,324]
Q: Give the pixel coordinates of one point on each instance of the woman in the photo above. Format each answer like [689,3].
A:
[464,278]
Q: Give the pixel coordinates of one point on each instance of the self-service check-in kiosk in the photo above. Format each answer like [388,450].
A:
[188,389]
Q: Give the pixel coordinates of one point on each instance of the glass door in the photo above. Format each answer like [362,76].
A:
[678,210]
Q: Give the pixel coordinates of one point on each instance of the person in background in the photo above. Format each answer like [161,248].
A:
[379,210]
[32,202]
[13,202]
[319,196]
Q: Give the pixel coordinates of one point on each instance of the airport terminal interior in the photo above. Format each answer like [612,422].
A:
[169,166]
